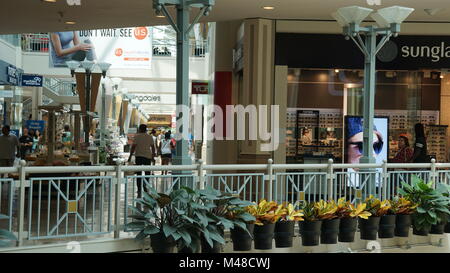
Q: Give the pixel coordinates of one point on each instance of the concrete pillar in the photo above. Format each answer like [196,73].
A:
[36,102]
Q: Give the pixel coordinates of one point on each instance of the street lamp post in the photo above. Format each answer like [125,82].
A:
[388,22]
[182,26]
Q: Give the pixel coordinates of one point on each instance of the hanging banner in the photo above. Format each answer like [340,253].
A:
[121,47]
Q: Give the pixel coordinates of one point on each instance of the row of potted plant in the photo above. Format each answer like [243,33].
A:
[195,220]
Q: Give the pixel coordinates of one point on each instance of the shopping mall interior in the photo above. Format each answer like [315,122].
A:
[87,74]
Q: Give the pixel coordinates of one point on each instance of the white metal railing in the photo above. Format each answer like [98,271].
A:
[33,42]
[12,39]
[98,198]
[166,48]
[60,87]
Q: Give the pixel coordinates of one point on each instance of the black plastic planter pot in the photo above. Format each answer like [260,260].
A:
[369,227]
[263,236]
[188,250]
[347,230]
[206,248]
[421,232]
[310,232]
[284,233]
[387,227]
[402,225]
[447,228]
[161,244]
[242,241]
[438,229]
[329,231]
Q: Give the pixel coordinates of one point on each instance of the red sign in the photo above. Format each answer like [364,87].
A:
[200,87]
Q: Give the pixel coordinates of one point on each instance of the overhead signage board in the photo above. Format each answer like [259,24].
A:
[31,80]
[36,125]
[200,87]
[12,75]
[123,48]
[405,52]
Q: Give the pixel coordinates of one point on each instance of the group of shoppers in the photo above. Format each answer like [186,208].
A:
[146,147]
[12,147]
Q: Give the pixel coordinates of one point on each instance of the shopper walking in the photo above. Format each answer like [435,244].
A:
[155,146]
[8,145]
[420,147]
[26,143]
[143,149]
[166,150]
[36,141]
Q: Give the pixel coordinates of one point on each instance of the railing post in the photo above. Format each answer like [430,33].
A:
[21,220]
[270,174]
[384,179]
[117,199]
[330,178]
[433,173]
[201,178]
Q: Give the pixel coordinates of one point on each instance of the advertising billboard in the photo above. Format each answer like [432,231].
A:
[122,47]
[353,146]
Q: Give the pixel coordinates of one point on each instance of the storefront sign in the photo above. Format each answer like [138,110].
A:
[404,52]
[31,80]
[12,75]
[15,133]
[36,125]
[160,120]
[200,88]
[150,98]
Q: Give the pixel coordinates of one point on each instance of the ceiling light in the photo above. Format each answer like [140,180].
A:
[433,12]
[49,1]
[268,8]
[391,15]
[351,15]
[160,16]
[70,23]
[336,70]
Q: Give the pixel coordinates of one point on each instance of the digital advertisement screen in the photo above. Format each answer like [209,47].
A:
[353,146]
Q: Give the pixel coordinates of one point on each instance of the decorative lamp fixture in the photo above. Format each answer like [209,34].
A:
[87,65]
[104,67]
[351,15]
[391,15]
[73,65]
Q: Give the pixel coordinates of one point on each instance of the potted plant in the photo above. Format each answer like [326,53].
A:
[6,237]
[403,209]
[242,237]
[432,206]
[369,227]
[284,228]
[349,215]
[221,205]
[159,219]
[326,212]
[439,227]
[266,217]
[311,226]
[387,220]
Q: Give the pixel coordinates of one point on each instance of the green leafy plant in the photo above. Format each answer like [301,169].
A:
[326,210]
[177,216]
[265,212]
[403,206]
[376,207]
[347,210]
[6,237]
[432,205]
[309,210]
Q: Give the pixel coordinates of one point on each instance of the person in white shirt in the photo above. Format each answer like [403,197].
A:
[143,148]
[166,147]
